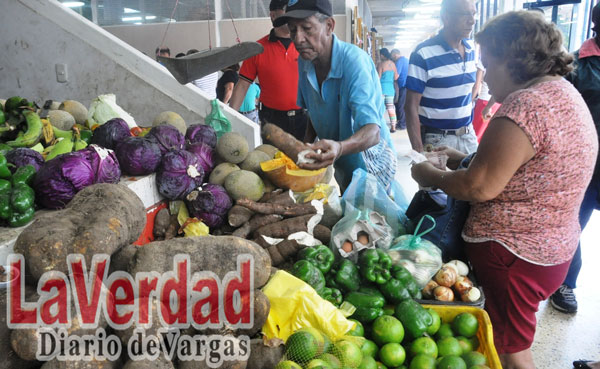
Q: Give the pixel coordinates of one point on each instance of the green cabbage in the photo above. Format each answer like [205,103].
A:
[104,108]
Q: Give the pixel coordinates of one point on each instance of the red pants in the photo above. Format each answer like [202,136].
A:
[513,289]
[479,124]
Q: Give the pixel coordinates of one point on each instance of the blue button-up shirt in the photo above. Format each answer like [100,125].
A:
[349,98]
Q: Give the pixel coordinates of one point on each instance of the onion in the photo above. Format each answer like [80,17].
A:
[462,284]
[461,267]
[446,277]
[442,293]
[428,289]
[471,295]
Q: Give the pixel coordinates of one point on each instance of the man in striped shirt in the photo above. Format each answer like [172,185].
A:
[441,75]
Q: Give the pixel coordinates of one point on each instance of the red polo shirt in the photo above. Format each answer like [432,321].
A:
[277,71]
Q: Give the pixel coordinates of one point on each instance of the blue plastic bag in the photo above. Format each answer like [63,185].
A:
[366,192]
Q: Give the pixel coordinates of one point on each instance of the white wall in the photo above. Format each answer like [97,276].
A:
[38,34]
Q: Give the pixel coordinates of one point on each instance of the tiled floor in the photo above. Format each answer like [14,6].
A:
[560,338]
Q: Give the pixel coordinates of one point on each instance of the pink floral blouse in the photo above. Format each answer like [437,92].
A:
[536,216]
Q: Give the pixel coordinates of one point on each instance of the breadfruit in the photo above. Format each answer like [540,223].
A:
[253,160]
[221,171]
[268,149]
[61,119]
[76,109]
[171,118]
[244,184]
[232,147]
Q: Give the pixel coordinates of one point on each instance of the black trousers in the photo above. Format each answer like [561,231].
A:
[400,108]
[293,122]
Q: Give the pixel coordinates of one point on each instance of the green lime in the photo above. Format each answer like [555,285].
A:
[288,364]
[422,362]
[348,352]
[449,346]
[358,329]
[465,324]
[331,360]
[451,362]
[387,329]
[444,331]
[392,354]
[368,363]
[437,322]
[369,348]
[302,346]
[474,342]
[474,358]
[479,367]
[380,365]
[465,344]
[423,346]
[317,364]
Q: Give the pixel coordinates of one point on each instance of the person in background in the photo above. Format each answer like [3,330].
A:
[441,75]
[164,52]
[179,55]
[226,83]
[402,69]
[485,105]
[527,180]
[276,69]
[248,108]
[207,83]
[586,79]
[339,87]
[387,78]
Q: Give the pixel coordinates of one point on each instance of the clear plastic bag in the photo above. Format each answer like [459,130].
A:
[217,120]
[330,196]
[366,222]
[366,192]
[421,257]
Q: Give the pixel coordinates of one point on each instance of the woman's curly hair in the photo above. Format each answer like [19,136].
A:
[531,46]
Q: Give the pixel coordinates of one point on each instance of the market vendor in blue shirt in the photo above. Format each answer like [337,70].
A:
[339,87]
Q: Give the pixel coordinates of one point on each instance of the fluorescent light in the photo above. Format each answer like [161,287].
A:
[131,19]
[150,17]
[419,22]
[138,23]
[73,4]
[422,9]
[130,11]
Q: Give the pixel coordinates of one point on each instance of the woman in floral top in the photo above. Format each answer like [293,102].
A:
[527,180]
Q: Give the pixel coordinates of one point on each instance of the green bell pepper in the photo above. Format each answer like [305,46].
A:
[4,148]
[375,266]
[5,185]
[320,256]
[402,274]
[332,295]
[23,175]
[86,135]
[414,317]
[344,276]
[4,171]
[368,306]
[394,291]
[370,290]
[17,205]
[310,274]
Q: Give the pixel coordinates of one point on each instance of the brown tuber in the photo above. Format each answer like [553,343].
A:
[290,210]
[446,277]
[442,293]
[284,141]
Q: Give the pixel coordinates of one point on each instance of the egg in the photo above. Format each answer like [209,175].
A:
[363,238]
[347,246]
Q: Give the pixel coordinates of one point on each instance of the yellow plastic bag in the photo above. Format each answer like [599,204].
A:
[193,226]
[295,305]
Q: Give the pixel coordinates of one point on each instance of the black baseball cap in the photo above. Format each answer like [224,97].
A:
[300,9]
[277,4]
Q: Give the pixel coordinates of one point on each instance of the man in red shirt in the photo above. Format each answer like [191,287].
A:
[277,71]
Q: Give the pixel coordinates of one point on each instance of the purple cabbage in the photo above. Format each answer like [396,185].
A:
[59,179]
[138,156]
[203,133]
[209,203]
[23,156]
[109,134]
[178,174]
[205,154]
[104,163]
[167,137]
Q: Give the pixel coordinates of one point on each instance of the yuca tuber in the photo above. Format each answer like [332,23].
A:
[269,195]
[260,220]
[284,141]
[243,231]
[284,198]
[283,251]
[292,210]
[284,228]
[322,234]
[239,215]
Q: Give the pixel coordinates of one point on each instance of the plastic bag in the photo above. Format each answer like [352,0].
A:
[378,232]
[330,196]
[366,192]
[217,120]
[295,305]
[421,257]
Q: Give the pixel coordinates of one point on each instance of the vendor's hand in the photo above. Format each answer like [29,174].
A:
[420,173]
[454,156]
[329,151]
[487,112]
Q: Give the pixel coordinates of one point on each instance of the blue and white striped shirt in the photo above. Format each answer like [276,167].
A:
[445,79]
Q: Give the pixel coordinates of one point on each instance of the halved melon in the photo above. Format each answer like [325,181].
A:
[284,173]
